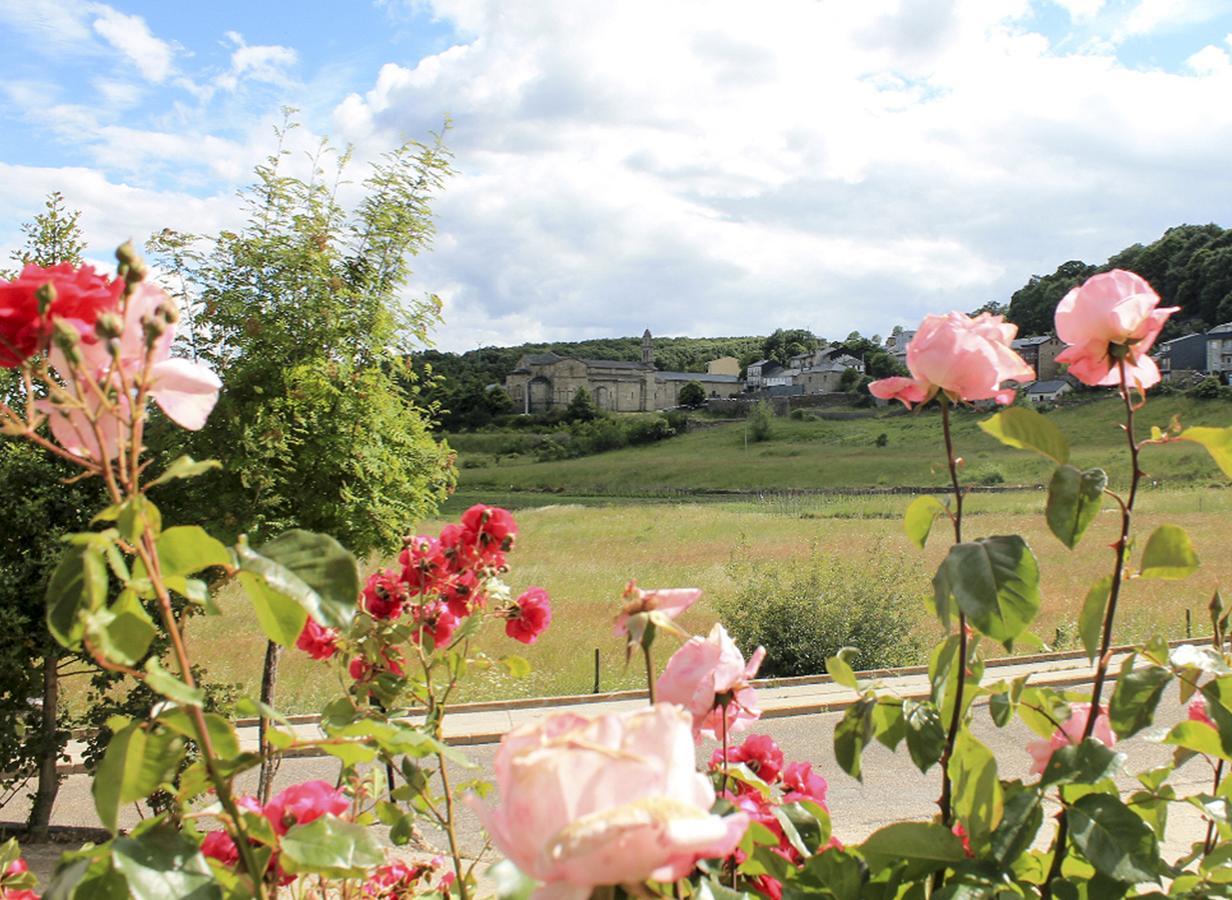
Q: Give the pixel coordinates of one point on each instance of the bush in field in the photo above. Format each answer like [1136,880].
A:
[692,395]
[648,429]
[761,419]
[810,609]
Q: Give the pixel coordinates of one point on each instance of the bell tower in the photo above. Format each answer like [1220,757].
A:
[647,349]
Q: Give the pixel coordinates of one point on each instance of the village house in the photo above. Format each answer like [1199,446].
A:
[543,381]
[1208,353]
[1040,353]
[1047,391]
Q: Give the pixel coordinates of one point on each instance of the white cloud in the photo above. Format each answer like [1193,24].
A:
[1081,9]
[264,62]
[1210,60]
[131,36]
[716,167]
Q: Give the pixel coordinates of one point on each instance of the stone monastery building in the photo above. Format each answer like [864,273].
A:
[545,380]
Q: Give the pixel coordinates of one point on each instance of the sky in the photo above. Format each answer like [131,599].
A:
[696,168]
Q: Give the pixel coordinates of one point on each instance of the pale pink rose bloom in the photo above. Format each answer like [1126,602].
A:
[705,669]
[1112,308]
[184,390]
[968,358]
[671,602]
[613,799]
[1070,732]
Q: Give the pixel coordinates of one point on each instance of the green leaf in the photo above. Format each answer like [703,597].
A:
[919,517]
[280,617]
[1168,554]
[925,733]
[187,549]
[1085,763]
[329,846]
[1198,737]
[223,737]
[1138,691]
[995,581]
[1217,441]
[135,762]
[978,801]
[160,680]
[135,515]
[835,875]
[918,841]
[312,569]
[1027,429]
[123,631]
[162,863]
[1021,821]
[1114,840]
[1091,619]
[888,725]
[185,467]
[515,665]
[1074,498]
[852,734]
[79,584]
[840,670]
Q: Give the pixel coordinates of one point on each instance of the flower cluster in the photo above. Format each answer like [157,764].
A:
[439,582]
[397,879]
[16,872]
[775,783]
[297,805]
[109,341]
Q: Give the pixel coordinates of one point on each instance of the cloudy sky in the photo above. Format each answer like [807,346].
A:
[704,168]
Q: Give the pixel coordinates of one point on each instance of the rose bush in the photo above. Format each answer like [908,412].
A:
[614,804]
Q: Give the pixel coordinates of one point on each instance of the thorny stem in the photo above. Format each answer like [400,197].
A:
[448,821]
[1114,593]
[148,552]
[944,802]
[723,735]
[650,679]
[1209,844]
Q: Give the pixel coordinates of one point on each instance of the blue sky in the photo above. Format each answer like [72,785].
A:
[695,166]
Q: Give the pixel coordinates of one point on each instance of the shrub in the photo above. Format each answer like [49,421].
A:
[882,439]
[1206,389]
[692,395]
[648,429]
[803,611]
[799,415]
[761,418]
[678,420]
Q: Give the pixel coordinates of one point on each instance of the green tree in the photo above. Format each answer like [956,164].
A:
[849,380]
[37,507]
[581,408]
[760,421]
[1032,306]
[299,312]
[783,344]
[692,395]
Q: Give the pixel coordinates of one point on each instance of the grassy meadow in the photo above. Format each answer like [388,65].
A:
[813,454]
[584,555]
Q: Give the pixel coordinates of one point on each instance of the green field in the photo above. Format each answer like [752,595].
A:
[815,454]
[585,555]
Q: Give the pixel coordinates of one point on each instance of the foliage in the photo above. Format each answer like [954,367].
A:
[782,345]
[582,407]
[1209,388]
[1189,266]
[807,610]
[760,421]
[692,395]
[321,424]
[53,237]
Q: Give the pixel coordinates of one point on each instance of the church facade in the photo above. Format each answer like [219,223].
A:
[543,381]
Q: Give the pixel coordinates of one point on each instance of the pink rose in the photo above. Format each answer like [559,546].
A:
[706,673]
[967,358]
[1112,316]
[303,803]
[1070,732]
[802,783]
[529,616]
[221,846]
[671,602]
[184,390]
[614,799]
[81,295]
[759,753]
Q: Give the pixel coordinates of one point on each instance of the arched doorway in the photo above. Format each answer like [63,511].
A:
[603,398]
[540,390]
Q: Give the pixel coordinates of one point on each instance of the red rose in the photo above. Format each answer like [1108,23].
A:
[490,528]
[384,594]
[80,295]
[461,594]
[434,620]
[220,846]
[529,616]
[759,752]
[317,641]
[423,565]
